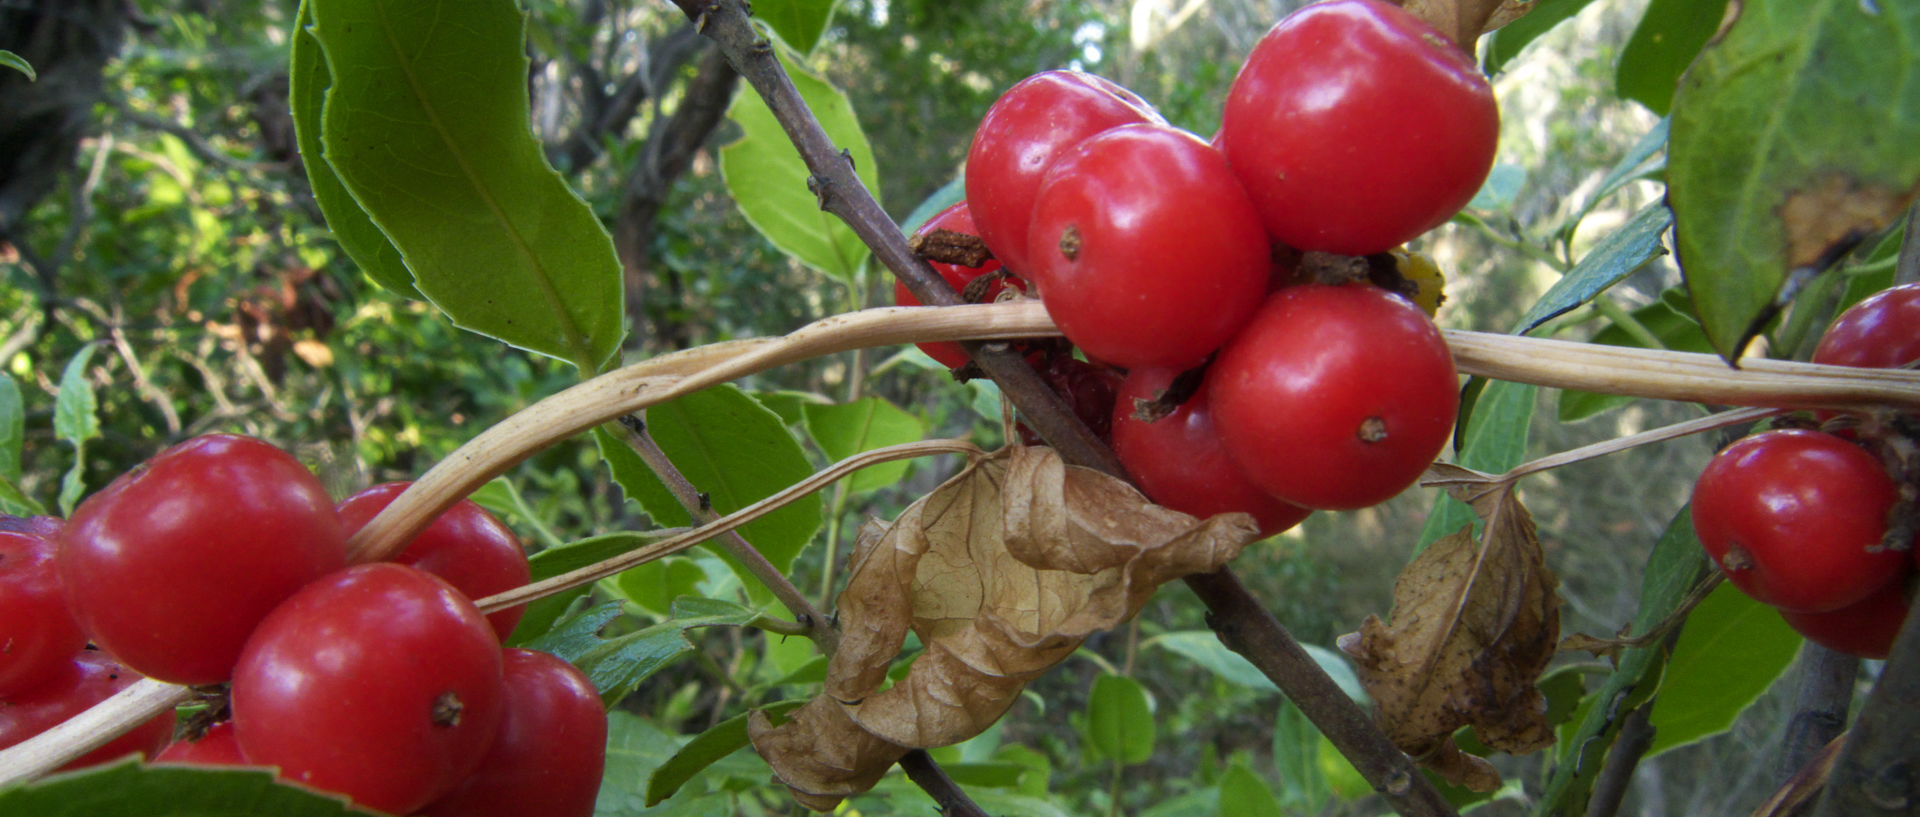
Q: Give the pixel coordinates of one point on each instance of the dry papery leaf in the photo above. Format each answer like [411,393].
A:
[1002,571]
[1465,20]
[1474,625]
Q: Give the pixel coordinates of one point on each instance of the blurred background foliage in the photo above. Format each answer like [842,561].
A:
[152,205]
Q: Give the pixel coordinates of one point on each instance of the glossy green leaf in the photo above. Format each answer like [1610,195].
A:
[1669,36]
[9,59]
[1612,259]
[13,428]
[1495,441]
[1203,647]
[1769,171]
[428,126]
[1668,320]
[1244,794]
[768,179]
[798,22]
[1120,719]
[1676,563]
[846,429]
[720,740]
[1502,46]
[308,81]
[131,790]
[737,452]
[76,420]
[1732,649]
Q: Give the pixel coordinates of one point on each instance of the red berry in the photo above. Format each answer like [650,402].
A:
[1180,462]
[550,753]
[1796,517]
[1865,628]
[1145,249]
[171,566]
[380,682]
[1335,397]
[88,678]
[218,747]
[957,219]
[1880,332]
[469,547]
[1034,121]
[1356,127]
[38,636]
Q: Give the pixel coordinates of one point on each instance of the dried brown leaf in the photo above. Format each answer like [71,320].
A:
[1463,21]
[820,754]
[1474,625]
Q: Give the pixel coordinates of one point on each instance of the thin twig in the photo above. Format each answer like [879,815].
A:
[1907,271]
[1610,787]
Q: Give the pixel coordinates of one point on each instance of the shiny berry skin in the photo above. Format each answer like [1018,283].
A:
[1865,628]
[170,567]
[380,682]
[1335,397]
[1145,249]
[88,678]
[218,747]
[469,547]
[959,219]
[550,753]
[1881,331]
[1179,461]
[1795,518]
[1356,127]
[1034,121]
[38,636]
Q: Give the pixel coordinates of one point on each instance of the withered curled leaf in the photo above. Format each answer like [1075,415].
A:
[1002,571]
[1463,21]
[1474,625]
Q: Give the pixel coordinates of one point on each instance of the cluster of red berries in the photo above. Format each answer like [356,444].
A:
[1813,522]
[222,560]
[1352,128]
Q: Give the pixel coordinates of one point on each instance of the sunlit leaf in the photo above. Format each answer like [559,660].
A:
[846,429]
[76,420]
[798,22]
[1669,36]
[1732,650]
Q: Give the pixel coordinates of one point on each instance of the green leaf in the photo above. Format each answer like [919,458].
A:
[1244,794]
[431,133]
[1615,257]
[720,740]
[1639,162]
[798,22]
[1502,186]
[13,428]
[1676,563]
[1495,441]
[635,748]
[768,179]
[76,420]
[1732,649]
[1502,46]
[949,194]
[1767,173]
[1668,320]
[17,63]
[846,429]
[737,452]
[1203,647]
[1296,754]
[790,405]
[654,586]
[131,790]
[309,79]
[1669,36]
[1120,720]
[15,502]
[543,613]
[618,665]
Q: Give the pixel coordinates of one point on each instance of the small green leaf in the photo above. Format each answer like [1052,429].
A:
[1669,36]
[720,740]
[653,586]
[15,502]
[1732,649]
[1296,754]
[1668,320]
[1767,173]
[846,429]
[1503,45]
[618,665]
[13,428]
[636,747]
[308,81]
[1203,647]
[432,135]
[133,790]
[768,179]
[737,452]
[1244,794]
[17,63]
[1615,257]
[798,22]
[1495,441]
[1640,161]
[1120,719]
[76,420]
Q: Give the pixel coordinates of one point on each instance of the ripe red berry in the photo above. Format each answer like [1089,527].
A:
[1356,127]
[1796,517]
[1865,628]
[38,636]
[1880,332]
[1179,461]
[87,678]
[550,753]
[1034,121]
[1335,397]
[380,682]
[959,219]
[218,747]
[1145,249]
[469,547]
[170,567]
